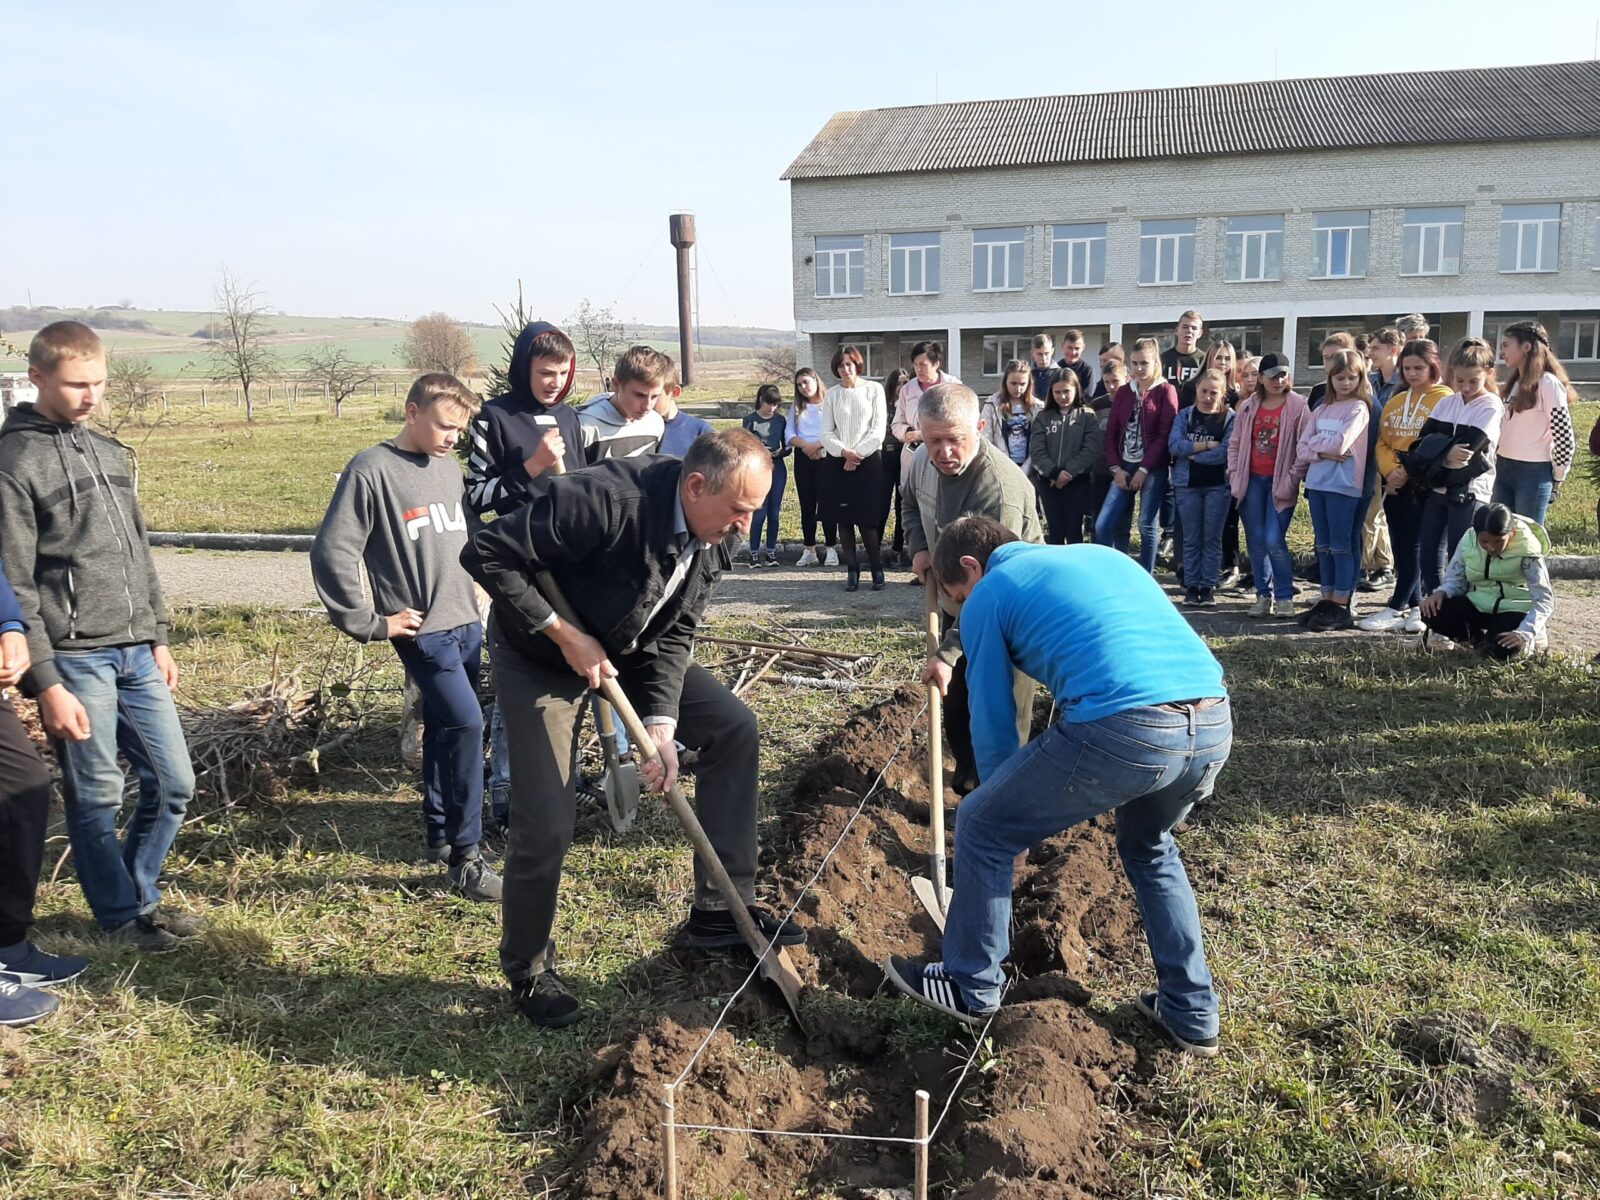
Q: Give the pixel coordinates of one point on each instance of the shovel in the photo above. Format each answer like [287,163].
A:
[931,889]
[621,778]
[771,959]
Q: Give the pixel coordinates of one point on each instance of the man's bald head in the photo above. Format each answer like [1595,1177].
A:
[726,477]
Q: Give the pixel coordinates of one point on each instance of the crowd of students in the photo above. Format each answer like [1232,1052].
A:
[1421,474]
[1398,452]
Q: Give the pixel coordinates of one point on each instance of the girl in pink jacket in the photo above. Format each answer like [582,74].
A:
[1262,478]
[1332,456]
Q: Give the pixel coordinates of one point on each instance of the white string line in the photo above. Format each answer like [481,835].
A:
[804,892]
[977,1045]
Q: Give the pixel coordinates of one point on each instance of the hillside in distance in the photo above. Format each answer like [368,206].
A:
[175,341]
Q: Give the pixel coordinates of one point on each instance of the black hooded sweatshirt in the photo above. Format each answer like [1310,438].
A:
[510,427]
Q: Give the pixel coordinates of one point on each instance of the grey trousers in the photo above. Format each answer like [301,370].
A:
[542,709]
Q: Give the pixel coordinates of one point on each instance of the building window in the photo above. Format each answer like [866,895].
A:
[1339,244]
[1430,242]
[1255,250]
[913,264]
[1530,237]
[1077,256]
[1319,333]
[871,347]
[999,349]
[1597,243]
[997,259]
[1579,339]
[1246,339]
[1166,252]
[841,266]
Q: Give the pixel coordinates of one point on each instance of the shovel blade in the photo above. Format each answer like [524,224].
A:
[621,785]
[928,897]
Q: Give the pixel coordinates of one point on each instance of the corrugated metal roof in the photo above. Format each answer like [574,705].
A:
[1555,100]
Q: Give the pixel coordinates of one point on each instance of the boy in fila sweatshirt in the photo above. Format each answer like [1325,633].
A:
[398,511]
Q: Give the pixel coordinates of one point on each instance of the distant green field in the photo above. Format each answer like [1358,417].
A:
[176,354]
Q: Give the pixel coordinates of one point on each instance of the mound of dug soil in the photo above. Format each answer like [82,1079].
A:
[1041,1123]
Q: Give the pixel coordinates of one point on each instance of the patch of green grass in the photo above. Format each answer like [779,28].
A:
[1396,836]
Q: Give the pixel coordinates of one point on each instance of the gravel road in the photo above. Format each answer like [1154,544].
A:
[808,596]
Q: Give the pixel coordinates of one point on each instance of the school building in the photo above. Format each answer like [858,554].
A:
[1281,210]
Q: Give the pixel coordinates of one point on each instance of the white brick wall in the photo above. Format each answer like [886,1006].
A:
[1480,178]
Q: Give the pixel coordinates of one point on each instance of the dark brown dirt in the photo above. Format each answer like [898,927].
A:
[1040,1122]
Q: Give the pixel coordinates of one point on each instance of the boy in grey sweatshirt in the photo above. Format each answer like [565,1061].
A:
[398,510]
[74,546]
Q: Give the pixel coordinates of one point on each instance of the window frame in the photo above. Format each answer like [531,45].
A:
[819,251]
[1522,225]
[1257,241]
[871,347]
[922,250]
[1087,242]
[1320,232]
[1176,238]
[1006,245]
[1459,224]
[1022,345]
[1241,337]
[1580,326]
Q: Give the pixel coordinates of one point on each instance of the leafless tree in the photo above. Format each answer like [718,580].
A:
[128,391]
[238,351]
[340,374]
[438,342]
[776,364]
[599,336]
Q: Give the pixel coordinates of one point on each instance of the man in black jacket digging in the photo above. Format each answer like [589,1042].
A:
[636,545]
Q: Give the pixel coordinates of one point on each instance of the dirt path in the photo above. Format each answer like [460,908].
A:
[811,596]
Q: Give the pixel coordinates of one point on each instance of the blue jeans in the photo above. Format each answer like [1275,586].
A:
[1202,512]
[1265,531]
[1524,487]
[767,514]
[1149,764]
[1116,516]
[445,666]
[130,709]
[1333,521]
[1444,523]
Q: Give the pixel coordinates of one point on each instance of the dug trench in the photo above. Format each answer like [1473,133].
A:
[1057,1089]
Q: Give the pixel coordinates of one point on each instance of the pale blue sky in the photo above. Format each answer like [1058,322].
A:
[391,159]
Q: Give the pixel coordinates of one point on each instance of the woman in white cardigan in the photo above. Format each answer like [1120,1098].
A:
[854,416]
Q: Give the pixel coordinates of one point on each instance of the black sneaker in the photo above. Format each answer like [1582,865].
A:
[1313,613]
[1376,581]
[1198,1047]
[142,933]
[476,880]
[592,790]
[713,929]
[1208,598]
[178,923]
[546,1000]
[1191,597]
[928,985]
[1337,618]
[28,966]
[24,1005]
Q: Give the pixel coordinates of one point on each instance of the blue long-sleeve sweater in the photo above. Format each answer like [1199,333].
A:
[1086,622]
[10,609]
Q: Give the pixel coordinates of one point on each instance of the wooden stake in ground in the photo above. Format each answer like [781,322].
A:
[932,892]
[920,1191]
[669,1142]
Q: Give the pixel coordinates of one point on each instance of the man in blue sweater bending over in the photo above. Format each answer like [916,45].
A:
[1145,728]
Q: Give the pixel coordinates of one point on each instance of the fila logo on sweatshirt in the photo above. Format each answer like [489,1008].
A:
[435,514]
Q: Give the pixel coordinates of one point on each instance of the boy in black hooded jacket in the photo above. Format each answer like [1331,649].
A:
[522,434]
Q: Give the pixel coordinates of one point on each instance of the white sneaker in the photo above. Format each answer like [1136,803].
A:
[1541,642]
[1432,643]
[1414,623]
[808,557]
[1261,608]
[1385,620]
[833,558]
